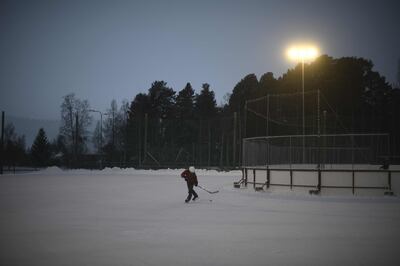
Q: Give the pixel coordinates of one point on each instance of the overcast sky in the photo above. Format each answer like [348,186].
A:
[104,50]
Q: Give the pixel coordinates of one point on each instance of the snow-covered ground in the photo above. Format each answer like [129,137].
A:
[137,217]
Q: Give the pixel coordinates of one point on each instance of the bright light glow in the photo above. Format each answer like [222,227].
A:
[302,53]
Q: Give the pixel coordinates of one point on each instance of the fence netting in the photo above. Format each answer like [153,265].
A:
[313,150]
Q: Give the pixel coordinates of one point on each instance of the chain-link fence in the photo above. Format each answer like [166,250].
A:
[313,150]
[209,143]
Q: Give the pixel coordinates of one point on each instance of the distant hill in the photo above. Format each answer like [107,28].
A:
[30,127]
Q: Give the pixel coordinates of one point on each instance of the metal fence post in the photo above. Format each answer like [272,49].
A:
[245,177]
[319,179]
[234,139]
[254,178]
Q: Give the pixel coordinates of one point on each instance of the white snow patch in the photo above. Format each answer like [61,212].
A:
[133,171]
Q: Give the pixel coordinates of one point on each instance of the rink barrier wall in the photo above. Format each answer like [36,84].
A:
[323,181]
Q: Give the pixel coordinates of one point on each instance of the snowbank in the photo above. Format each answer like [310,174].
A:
[132,171]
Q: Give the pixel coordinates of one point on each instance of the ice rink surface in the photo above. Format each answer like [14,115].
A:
[137,217]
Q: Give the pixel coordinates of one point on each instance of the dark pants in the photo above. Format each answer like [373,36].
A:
[191,191]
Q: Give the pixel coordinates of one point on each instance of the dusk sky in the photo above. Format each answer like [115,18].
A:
[104,50]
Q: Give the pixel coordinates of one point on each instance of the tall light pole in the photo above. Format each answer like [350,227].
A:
[301,54]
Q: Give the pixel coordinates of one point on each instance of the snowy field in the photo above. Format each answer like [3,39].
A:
[137,217]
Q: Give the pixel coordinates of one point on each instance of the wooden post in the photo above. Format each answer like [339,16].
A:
[291,179]
[268,177]
[353,181]
[389,180]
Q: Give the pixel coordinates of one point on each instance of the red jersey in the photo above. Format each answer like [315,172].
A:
[191,178]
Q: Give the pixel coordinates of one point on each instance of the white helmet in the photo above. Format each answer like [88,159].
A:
[191,169]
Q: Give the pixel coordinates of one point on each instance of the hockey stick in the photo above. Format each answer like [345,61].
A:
[211,192]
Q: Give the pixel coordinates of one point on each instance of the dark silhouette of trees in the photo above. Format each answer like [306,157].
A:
[97,138]
[58,151]
[159,106]
[267,84]
[40,150]
[139,106]
[110,125]
[356,98]
[205,103]
[115,132]
[162,100]
[136,122]
[184,111]
[14,147]
[185,103]
[353,89]
[244,90]
[75,120]
[160,127]
[206,111]
[166,127]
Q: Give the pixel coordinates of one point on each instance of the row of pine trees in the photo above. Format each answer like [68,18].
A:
[164,127]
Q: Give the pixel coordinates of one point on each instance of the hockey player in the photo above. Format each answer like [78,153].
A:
[191,180]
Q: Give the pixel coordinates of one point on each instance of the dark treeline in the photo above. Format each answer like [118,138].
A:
[164,127]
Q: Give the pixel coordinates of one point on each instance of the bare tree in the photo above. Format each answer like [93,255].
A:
[75,120]
[96,138]
[110,124]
